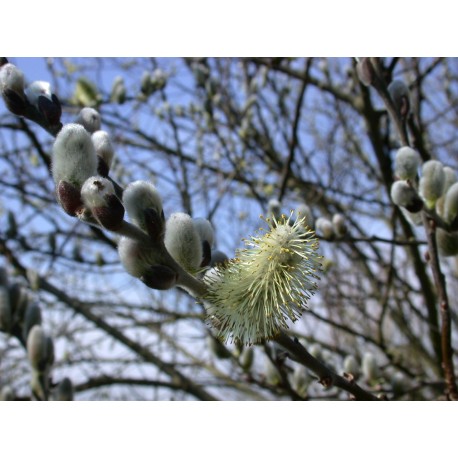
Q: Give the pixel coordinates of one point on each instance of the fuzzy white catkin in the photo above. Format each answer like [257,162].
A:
[402,193]
[37,348]
[369,367]
[324,227]
[274,208]
[183,242]
[73,156]
[339,225]
[139,196]
[447,242]
[135,258]
[303,211]
[11,78]
[432,181]
[407,162]
[351,366]
[451,203]
[103,146]
[94,191]
[205,230]
[37,89]
[89,119]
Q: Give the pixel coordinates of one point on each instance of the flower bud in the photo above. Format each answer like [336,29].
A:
[447,242]
[183,242]
[140,196]
[146,86]
[104,150]
[407,162]
[7,394]
[399,93]
[365,71]
[450,179]
[432,182]
[315,350]
[398,383]
[351,366]
[247,358]
[369,367]
[69,198]
[217,348]
[64,391]
[303,211]
[12,89]
[39,95]
[73,156]
[89,118]
[18,302]
[273,377]
[32,317]
[207,235]
[37,348]
[451,204]
[99,196]
[6,315]
[339,225]
[218,257]
[118,91]
[274,208]
[324,228]
[405,195]
[300,380]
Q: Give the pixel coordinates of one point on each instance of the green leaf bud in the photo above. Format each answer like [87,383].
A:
[118,91]
[183,241]
[407,162]
[432,182]
[404,195]
[73,156]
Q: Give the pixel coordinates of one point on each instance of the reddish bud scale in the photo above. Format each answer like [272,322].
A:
[111,216]
[69,198]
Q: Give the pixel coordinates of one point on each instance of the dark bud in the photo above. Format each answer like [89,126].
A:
[365,71]
[50,109]
[111,216]
[416,205]
[16,104]
[102,167]
[69,198]
[155,223]
[206,254]
[3,61]
[159,277]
